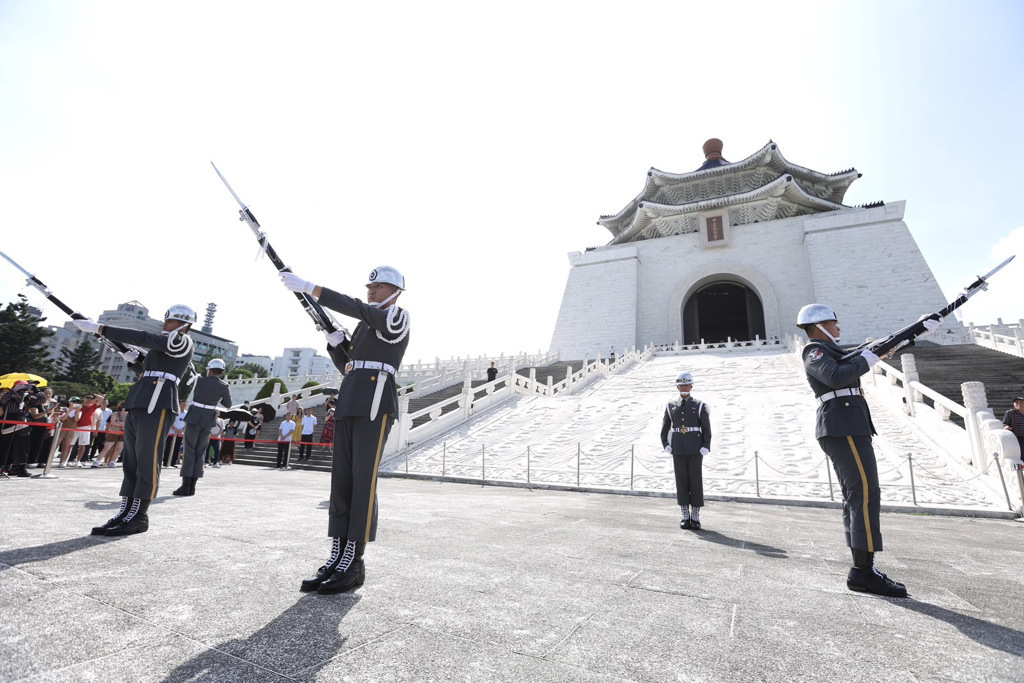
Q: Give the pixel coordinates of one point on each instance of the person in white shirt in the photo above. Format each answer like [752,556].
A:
[308,426]
[100,439]
[284,440]
[216,433]
[174,436]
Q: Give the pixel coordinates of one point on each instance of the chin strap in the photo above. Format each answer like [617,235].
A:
[835,340]
[381,304]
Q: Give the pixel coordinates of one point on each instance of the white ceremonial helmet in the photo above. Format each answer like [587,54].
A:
[215,364]
[684,378]
[387,274]
[180,312]
[814,313]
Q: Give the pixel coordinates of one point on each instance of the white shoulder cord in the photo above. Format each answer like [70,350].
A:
[398,324]
[178,344]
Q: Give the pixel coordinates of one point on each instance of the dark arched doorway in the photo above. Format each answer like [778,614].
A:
[721,311]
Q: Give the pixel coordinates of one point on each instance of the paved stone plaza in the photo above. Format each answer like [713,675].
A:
[481,583]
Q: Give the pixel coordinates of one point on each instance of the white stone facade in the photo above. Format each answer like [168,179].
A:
[861,261]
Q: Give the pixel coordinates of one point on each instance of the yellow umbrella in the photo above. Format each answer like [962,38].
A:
[7,381]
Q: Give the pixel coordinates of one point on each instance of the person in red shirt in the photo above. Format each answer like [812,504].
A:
[86,426]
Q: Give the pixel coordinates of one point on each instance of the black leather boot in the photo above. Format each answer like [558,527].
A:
[192,486]
[864,578]
[353,574]
[324,572]
[135,522]
[181,490]
[115,520]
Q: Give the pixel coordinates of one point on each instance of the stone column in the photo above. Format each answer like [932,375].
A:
[909,365]
[975,401]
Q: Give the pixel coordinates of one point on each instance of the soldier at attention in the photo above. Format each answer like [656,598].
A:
[686,436]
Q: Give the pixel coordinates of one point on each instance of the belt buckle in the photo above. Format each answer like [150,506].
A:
[348,367]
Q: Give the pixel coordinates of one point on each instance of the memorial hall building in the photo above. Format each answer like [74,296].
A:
[734,250]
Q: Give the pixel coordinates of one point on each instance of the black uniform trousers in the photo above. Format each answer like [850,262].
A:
[144,435]
[197,442]
[853,459]
[689,479]
[358,445]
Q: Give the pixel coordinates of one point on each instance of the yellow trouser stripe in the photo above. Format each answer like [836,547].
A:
[867,492]
[373,481]
[158,452]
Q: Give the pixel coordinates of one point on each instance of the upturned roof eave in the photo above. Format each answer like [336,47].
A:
[789,189]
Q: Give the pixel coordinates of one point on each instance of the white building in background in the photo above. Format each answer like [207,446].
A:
[265,362]
[301,361]
[134,315]
[734,250]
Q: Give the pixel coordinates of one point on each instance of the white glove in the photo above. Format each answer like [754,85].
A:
[871,358]
[87,325]
[131,355]
[294,283]
[704,451]
[668,449]
[930,326]
[335,338]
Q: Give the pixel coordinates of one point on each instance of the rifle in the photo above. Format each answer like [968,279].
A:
[321,318]
[908,334]
[116,347]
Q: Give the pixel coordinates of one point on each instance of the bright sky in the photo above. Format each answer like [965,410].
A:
[472,145]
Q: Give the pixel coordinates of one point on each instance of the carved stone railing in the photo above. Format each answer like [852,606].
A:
[1006,338]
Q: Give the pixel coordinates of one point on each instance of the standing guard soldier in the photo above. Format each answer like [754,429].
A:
[151,403]
[843,428]
[689,422]
[199,421]
[366,410]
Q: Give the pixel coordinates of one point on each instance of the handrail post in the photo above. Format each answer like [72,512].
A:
[483,462]
[444,452]
[632,454]
[578,449]
[527,464]
[1002,480]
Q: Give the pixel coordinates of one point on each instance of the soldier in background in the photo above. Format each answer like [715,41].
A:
[844,429]
[199,420]
[151,402]
[366,410]
[688,422]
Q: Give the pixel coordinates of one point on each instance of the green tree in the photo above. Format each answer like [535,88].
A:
[268,388]
[22,347]
[240,373]
[79,364]
[118,393]
[311,383]
[256,370]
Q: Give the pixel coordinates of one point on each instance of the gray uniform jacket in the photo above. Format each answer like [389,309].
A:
[209,391]
[158,359]
[844,415]
[680,414]
[357,389]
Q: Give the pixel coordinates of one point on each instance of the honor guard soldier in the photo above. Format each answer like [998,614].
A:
[843,428]
[199,421]
[688,422]
[151,403]
[367,407]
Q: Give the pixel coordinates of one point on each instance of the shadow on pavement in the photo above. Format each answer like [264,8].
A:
[296,644]
[980,631]
[759,548]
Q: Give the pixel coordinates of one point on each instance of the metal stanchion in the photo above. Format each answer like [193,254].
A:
[444,452]
[407,462]
[483,462]
[578,449]
[913,489]
[527,464]
[53,448]
[828,471]
[757,476]
[1002,480]
[632,454]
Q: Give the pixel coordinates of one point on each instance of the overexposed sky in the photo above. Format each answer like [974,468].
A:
[472,145]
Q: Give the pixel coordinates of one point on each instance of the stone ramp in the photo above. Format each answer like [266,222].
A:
[607,435]
[482,584]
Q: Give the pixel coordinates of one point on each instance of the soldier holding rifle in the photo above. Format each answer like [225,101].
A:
[844,429]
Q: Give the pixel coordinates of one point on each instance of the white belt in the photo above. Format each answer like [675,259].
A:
[203,405]
[686,429]
[369,365]
[161,377]
[379,391]
[837,393]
